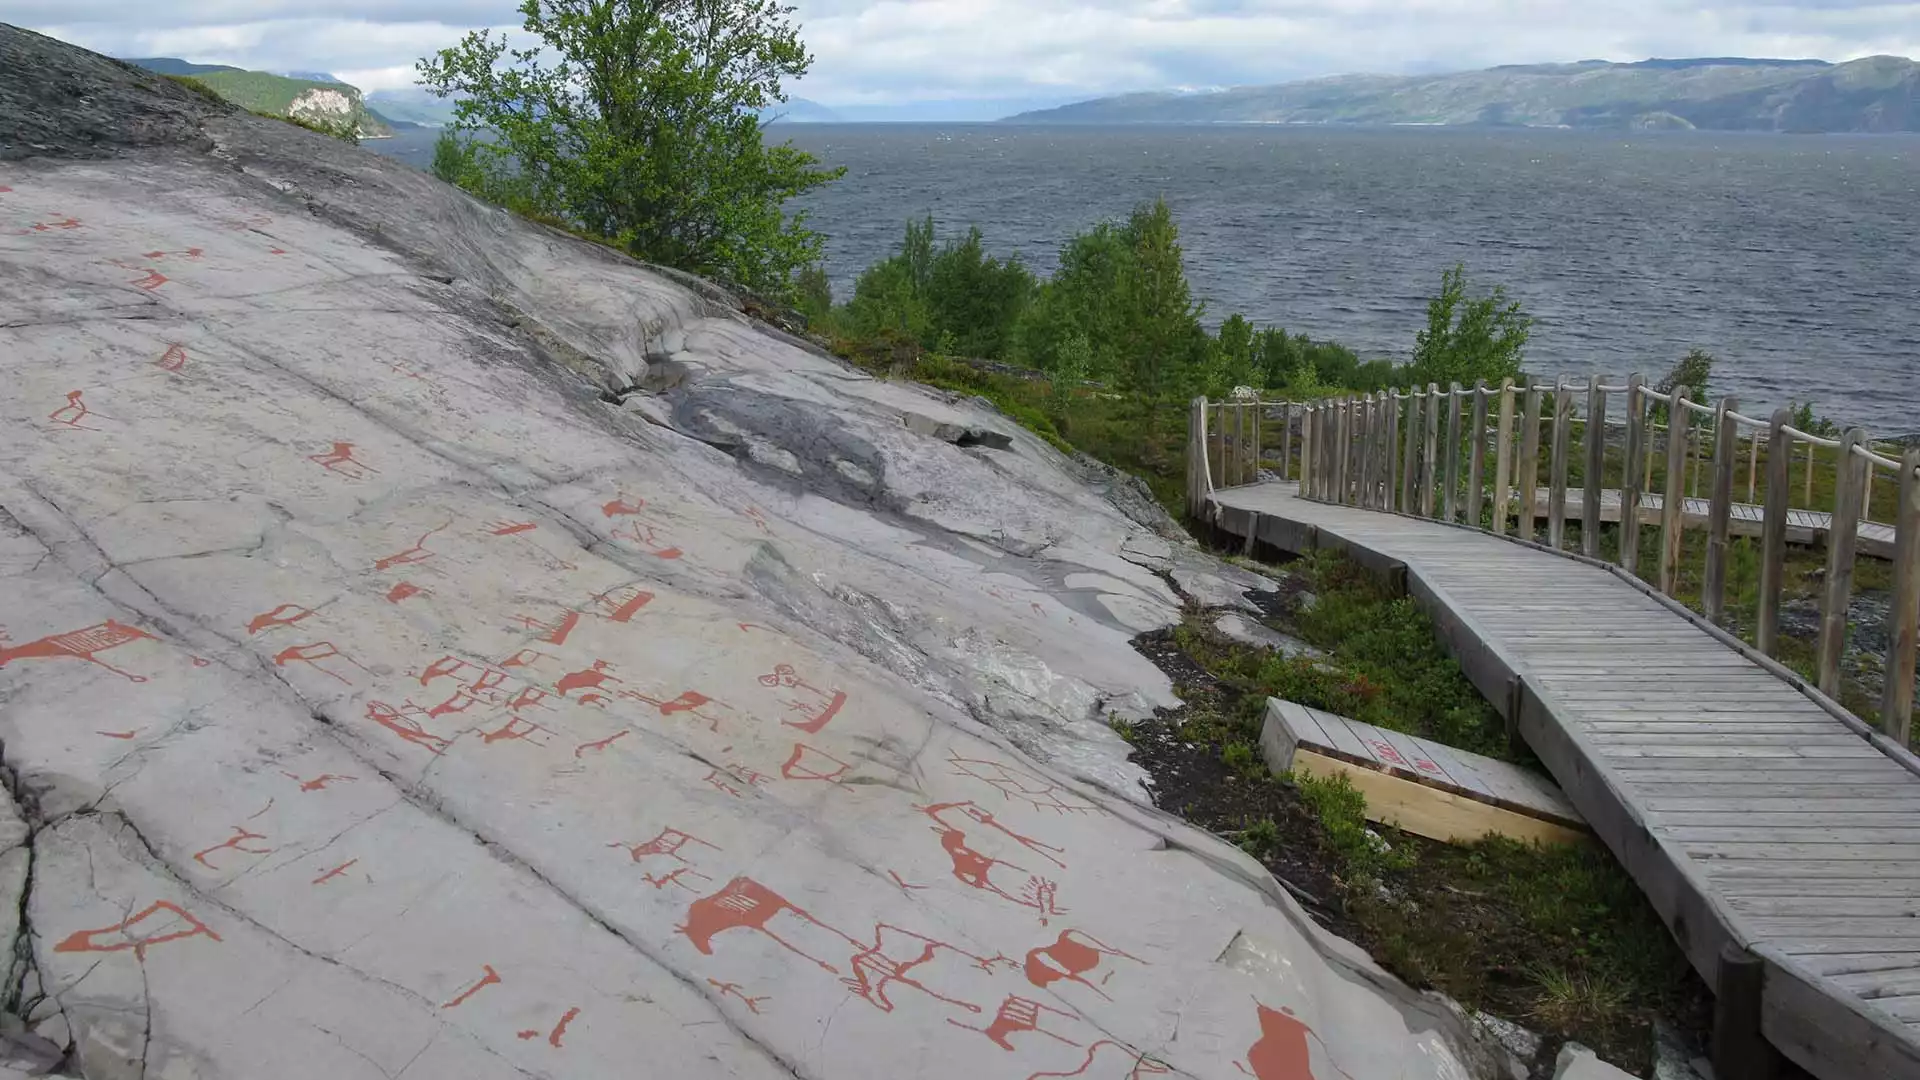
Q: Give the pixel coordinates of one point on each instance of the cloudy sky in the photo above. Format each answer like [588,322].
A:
[878,52]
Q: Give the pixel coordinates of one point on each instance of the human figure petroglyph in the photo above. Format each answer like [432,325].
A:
[83,644]
[83,940]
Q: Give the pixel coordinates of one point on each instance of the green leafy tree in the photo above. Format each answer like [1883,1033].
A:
[1469,337]
[973,300]
[813,294]
[1162,347]
[637,120]
[1235,360]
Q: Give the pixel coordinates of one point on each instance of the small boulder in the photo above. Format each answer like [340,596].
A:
[957,434]
[1576,1062]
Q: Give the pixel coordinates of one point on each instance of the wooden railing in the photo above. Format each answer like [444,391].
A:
[1629,454]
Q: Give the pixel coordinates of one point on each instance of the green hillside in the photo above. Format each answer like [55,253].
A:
[304,99]
[1879,93]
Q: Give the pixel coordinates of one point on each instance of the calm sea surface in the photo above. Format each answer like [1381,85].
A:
[1794,259]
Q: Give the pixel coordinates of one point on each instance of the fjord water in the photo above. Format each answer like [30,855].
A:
[1794,259]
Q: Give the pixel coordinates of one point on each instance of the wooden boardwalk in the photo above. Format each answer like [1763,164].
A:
[1808,527]
[1776,835]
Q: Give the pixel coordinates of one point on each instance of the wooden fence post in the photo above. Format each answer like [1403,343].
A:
[1376,441]
[1773,530]
[1595,479]
[1562,449]
[1369,459]
[1528,478]
[1344,450]
[1410,459]
[1753,468]
[1903,631]
[1673,506]
[1450,494]
[1476,464]
[1726,454]
[1391,500]
[1286,441]
[1306,450]
[1849,480]
[1503,459]
[1630,478]
[1430,463]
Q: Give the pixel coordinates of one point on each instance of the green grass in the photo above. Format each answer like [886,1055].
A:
[198,87]
[1388,667]
[1555,937]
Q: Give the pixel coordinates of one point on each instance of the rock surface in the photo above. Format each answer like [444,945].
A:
[383,699]
[1258,635]
[1576,1062]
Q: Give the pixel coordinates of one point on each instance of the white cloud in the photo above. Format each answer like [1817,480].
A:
[881,51]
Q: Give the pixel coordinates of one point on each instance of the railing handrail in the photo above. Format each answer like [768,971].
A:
[1386,451]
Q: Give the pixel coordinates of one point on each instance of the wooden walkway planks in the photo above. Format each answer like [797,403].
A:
[1751,815]
[1743,519]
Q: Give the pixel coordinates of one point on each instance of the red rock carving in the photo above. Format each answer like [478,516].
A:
[976,869]
[174,359]
[641,533]
[689,701]
[746,904]
[85,643]
[516,727]
[318,783]
[82,940]
[524,658]
[190,253]
[418,553]
[1281,1052]
[48,226]
[74,413]
[490,978]
[625,610]
[600,744]
[1015,784]
[510,528]
[733,990]
[118,734]
[236,842]
[1071,956]
[902,882]
[1136,1063]
[556,634]
[403,591]
[807,763]
[153,280]
[340,460]
[334,873]
[826,703]
[559,1029]
[313,654]
[668,843]
[1018,1015]
[590,680]
[674,877]
[406,726]
[284,615]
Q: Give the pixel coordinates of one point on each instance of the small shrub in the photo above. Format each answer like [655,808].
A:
[1261,839]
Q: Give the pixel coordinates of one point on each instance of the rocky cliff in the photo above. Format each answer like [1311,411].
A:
[436,647]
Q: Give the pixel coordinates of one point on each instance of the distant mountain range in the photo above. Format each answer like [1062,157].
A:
[324,99]
[1877,94]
